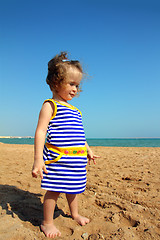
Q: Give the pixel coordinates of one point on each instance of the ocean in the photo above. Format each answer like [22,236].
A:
[107,142]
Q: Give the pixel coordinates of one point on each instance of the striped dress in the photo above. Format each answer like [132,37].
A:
[66,172]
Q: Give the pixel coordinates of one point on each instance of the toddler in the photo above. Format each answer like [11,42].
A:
[61,161]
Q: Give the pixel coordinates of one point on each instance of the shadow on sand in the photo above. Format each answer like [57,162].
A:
[26,205]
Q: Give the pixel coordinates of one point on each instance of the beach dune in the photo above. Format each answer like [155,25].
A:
[122,196]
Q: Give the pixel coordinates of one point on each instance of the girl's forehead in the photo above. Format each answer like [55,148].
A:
[74,73]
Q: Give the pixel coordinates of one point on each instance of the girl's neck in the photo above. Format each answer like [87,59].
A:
[58,98]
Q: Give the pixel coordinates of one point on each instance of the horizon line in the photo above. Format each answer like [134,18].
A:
[88,137]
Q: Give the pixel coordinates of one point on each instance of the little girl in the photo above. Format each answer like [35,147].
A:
[61,161]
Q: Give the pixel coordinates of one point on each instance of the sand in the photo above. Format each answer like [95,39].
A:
[122,197]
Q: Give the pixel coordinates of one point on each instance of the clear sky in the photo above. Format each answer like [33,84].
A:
[118,43]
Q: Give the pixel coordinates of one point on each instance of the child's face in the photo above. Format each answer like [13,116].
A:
[69,88]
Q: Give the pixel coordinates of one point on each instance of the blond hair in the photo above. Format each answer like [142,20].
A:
[58,70]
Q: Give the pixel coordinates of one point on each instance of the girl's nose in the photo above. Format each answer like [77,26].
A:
[74,88]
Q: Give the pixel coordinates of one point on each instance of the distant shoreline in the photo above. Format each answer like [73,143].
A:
[89,137]
[108,142]
[16,137]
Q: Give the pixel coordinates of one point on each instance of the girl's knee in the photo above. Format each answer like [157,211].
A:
[51,194]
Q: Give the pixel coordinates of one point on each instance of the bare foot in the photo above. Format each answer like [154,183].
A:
[50,230]
[81,220]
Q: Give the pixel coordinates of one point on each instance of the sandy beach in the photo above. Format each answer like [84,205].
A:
[122,197]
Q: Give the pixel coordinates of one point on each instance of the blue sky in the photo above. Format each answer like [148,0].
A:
[118,43]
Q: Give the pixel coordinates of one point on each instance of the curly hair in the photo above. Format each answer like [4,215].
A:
[58,70]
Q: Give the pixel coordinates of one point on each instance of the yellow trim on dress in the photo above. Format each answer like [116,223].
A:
[55,107]
[69,106]
[71,151]
[79,111]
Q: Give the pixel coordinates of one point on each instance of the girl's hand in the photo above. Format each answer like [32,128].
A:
[37,170]
[91,156]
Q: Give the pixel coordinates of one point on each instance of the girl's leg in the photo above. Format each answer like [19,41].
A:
[49,204]
[73,205]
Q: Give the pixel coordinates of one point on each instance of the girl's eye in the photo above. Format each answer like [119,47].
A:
[73,84]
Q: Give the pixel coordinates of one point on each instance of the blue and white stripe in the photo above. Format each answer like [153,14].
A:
[68,174]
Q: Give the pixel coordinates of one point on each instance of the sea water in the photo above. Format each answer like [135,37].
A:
[107,142]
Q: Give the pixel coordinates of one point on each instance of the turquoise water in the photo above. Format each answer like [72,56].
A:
[107,142]
[125,142]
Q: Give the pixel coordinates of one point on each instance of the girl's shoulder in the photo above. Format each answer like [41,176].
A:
[49,100]
[50,103]
[78,110]
[55,102]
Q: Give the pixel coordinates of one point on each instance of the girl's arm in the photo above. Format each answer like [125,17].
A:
[40,135]
[90,154]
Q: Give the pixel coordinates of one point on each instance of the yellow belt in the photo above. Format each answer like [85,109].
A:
[71,151]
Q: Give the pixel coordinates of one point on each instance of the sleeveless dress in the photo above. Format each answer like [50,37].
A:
[64,153]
